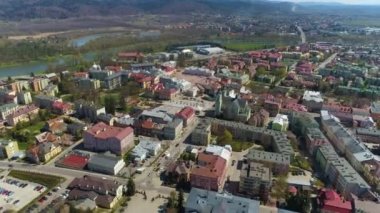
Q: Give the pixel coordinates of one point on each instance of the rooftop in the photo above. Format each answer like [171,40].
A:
[207,201]
[103,131]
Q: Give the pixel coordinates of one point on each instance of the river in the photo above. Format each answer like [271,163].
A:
[41,66]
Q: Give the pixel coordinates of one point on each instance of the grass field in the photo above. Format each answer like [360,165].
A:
[238,146]
[49,181]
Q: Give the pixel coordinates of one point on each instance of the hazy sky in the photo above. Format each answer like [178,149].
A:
[340,1]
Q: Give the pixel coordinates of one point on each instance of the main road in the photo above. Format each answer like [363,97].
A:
[302,34]
[327,61]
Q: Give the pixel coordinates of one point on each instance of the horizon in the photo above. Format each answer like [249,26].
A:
[347,2]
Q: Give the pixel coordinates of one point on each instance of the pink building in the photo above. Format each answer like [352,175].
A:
[304,68]
[209,173]
[102,137]
[329,201]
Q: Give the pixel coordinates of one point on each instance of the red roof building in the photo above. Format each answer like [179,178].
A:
[209,173]
[61,108]
[330,201]
[102,137]
[168,94]
[130,56]
[187,115]
[73,161]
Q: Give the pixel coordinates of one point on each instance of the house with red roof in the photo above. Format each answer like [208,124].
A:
[187,114]
[168,94]
[102,137]
[61,108]
[130,56]
[304,68]
[329,201]
[209,173]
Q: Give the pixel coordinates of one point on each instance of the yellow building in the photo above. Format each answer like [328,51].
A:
[8,148]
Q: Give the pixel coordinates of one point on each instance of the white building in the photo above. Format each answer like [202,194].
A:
[312,100]
[223,152]
[280,123]
[199,71]
[145,148]
[105,164]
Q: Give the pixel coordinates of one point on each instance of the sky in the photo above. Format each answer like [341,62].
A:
[377,2]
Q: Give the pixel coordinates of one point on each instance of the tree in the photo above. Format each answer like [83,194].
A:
[32,74]
[227,138]
[110,102]
[298,203]
[181,60]
[280,188]
[172,200]
[131,188]
[122,103]
[261,71]
[180,202]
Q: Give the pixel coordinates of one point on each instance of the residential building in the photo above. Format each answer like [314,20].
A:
[198,71]
[168,94]
[7,109]
[204,201]
[209,173]
[113,81]
[280,123]
[259,119]
[103,192]
[272,106]
[24,98]
[43,152]
[314,139]
[50,90]
[187,114]
[24,113]
[102,137]
[7,96]
[45,102]
[61,108]
[223,152]
[179,171]
[312,100]
[8,148]
[202,133]
[45,137]
[88,110]
[145,148]
[231,107]
[130,56]
[278,163]
[276,140]
[255,180]
[39,84]
[345,142]
[173,129]
[106,164]
[329,201]
[368,135]
[88,84]
[375,110]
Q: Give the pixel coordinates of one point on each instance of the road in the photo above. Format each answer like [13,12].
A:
[327,61]
[302,34]
[149,179]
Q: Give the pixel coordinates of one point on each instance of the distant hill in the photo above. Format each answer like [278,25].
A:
[61,9]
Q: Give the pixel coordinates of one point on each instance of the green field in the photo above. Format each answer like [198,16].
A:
[245,46]
[49,181]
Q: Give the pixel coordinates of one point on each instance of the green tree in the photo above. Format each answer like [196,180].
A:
[280,188]
[180,202]
[172,200]
[261,71]
[122,103]
[181,60]
[298,203]
[226,138]
[110,103]
[131,188]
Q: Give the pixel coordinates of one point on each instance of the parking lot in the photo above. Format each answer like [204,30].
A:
[15,194]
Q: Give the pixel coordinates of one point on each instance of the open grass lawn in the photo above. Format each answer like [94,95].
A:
[23,145]
[35,129]
[244,45]
[49,181]
[238,146]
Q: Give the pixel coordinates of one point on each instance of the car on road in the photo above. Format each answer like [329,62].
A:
[233,162]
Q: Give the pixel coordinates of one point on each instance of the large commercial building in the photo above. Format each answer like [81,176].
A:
[203,201]
[105,164]
[102,137]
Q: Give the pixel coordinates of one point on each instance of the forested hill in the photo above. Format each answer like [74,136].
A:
[60,9]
